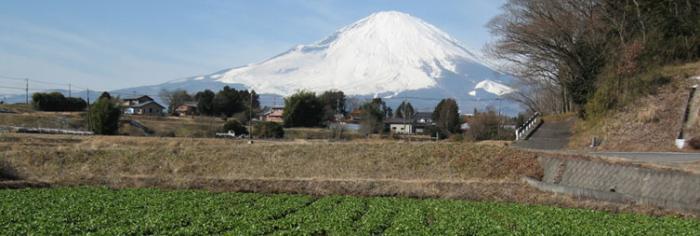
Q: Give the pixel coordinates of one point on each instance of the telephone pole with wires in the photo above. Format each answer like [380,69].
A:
[250,120]
[26,90]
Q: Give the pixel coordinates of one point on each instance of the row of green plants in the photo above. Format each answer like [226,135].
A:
[102,211]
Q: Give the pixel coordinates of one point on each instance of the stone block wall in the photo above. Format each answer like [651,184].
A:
[644,185]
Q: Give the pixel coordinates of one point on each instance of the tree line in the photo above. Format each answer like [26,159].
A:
[57,102]
[589,55]
[227,102]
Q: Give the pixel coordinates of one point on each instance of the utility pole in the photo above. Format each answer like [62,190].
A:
[69,90]
[337,117]
[88,107]
[250,121]
[403,115]
[26,90]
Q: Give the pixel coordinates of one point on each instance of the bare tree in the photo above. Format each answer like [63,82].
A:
[553,43]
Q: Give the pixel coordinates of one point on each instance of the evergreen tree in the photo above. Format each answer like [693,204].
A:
[104,117]
[105,95]
[446,116]
[205,102]
[57,102]
[333,103]
[407,108]
[303,109]
[228,102]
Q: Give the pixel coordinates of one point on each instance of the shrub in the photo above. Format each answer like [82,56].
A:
[268,130]
[694,143]
[235,126]
[7,172]
[103,117]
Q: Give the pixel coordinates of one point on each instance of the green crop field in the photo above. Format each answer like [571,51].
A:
[68,211]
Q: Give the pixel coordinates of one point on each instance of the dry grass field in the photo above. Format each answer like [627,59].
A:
[57,120]
[46,157]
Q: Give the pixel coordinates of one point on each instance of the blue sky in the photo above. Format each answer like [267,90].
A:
[118,44]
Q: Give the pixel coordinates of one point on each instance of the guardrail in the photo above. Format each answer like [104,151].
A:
[524,131]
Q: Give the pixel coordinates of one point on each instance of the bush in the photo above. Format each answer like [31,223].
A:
[268,130]
[235,126]
[694,143]
[103,117]
[57,102]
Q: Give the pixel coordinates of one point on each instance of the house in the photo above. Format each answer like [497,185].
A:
[187,109]
[273,114]
[422,120]
[127,102]
[400,126]
[355,116]
[143,105]
[150,108]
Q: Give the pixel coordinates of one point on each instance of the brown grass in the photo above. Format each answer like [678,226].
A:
[651,123]
[58,120]
[55,158]
[18,108]
[169,126]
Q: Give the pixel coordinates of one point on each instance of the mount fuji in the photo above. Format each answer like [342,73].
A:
[391,55]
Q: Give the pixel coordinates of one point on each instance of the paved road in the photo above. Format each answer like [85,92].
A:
[655,157]
[554,136]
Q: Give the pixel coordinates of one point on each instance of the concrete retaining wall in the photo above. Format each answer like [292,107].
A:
[593,178]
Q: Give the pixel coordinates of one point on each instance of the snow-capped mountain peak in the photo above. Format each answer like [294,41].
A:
[389,55]
[386,52]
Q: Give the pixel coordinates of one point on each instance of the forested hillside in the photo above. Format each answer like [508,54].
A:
[593,56]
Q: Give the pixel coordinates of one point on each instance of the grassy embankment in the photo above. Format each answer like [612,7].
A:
[647,121]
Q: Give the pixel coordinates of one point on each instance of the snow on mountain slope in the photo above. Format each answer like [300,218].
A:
[492,87]
[390,54]
[387,52]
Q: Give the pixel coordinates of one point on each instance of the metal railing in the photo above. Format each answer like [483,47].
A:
[523,131]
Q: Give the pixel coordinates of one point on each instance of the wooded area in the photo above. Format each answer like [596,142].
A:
[589,55]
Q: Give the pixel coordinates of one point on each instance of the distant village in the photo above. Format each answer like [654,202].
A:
[392,121]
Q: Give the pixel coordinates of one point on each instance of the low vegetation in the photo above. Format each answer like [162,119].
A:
[148,211]
[235,126]
[268,130]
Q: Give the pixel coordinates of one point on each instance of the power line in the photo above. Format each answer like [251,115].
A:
[11,78]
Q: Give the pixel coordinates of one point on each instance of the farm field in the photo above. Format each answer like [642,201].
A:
[148,211]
